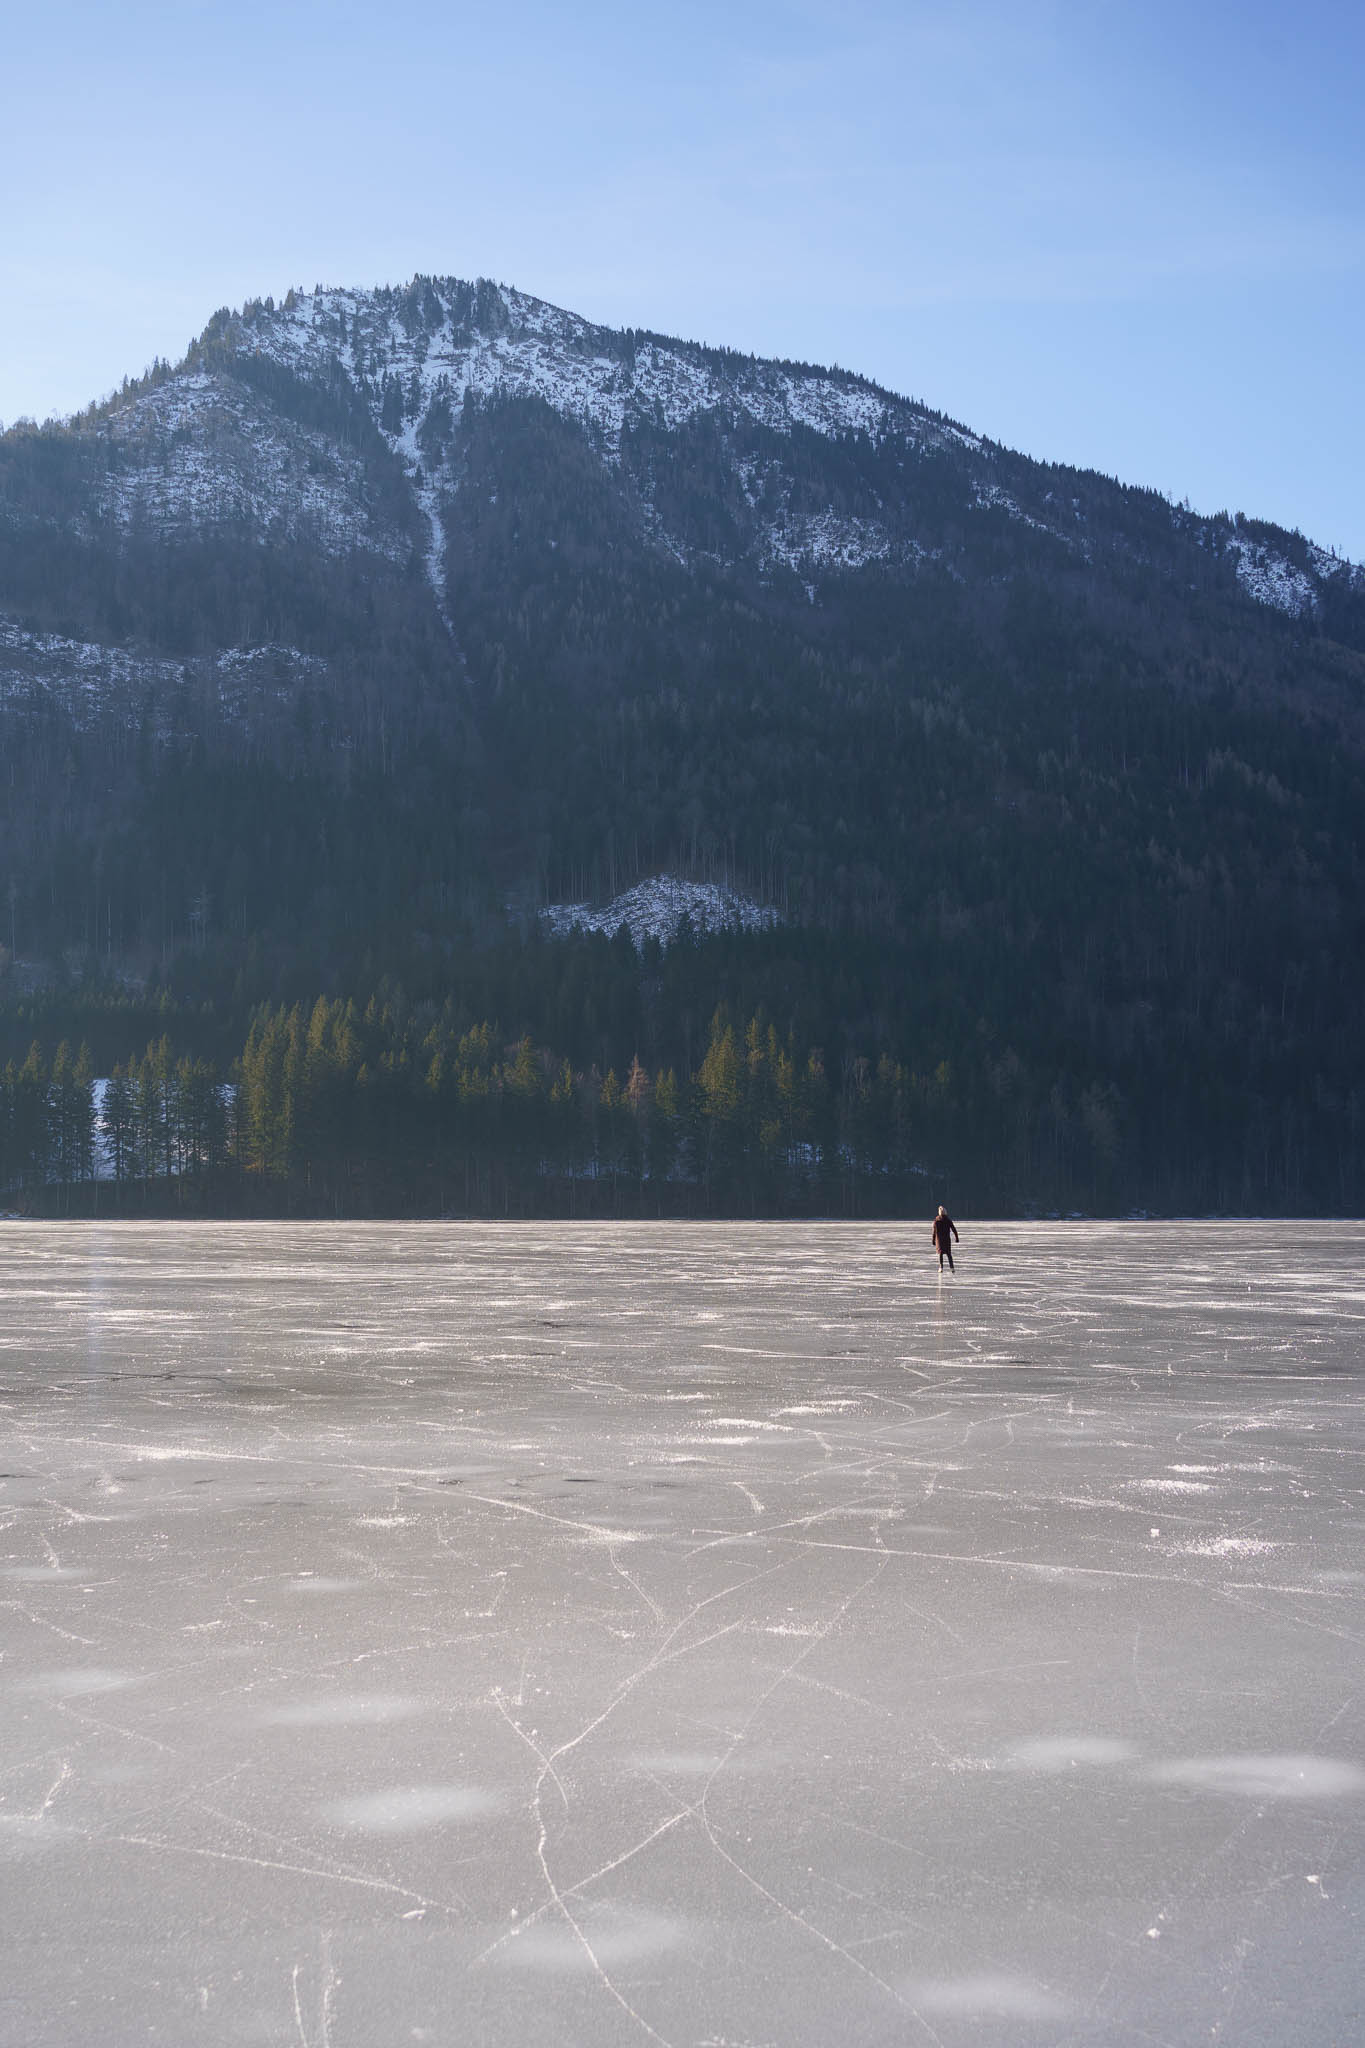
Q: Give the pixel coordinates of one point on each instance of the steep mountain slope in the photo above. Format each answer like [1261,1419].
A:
[384,608]
[420,355]
[341,424]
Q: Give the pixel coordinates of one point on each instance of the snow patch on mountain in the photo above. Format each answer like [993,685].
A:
[427,494]
[655,909]
[88,681]
[202,451]
[1270,579]
[992,497]
[1327,565]
[823,406]
[824,540]
[544,352]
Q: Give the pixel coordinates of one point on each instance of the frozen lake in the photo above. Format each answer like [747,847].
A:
[703,1635]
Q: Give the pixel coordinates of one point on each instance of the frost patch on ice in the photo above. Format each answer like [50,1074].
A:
[819,1408]
[21,1833]
[985,1997]
[1265,1777]
[78,1683]
[1058,1753]
[680,1764]
[612,1937]
[343,1710]
[1227,1546]
[409,1809]
[655,909]
[1174,1486]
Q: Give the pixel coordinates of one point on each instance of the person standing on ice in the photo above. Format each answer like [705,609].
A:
[944,1231]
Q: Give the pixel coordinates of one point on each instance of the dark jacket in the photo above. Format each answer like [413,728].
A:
[944,1231]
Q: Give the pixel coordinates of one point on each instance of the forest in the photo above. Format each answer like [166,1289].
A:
[633,1098]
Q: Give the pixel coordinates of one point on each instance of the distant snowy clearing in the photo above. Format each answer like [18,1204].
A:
[656,908]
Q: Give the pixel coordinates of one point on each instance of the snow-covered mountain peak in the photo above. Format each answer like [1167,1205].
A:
[442,335]
[349,421]
[416,354]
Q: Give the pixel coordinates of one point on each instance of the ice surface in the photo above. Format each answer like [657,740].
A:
[462,1633]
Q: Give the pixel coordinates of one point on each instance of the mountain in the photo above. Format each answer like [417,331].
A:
[388,617]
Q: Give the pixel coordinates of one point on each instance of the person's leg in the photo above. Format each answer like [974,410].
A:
[951,1267]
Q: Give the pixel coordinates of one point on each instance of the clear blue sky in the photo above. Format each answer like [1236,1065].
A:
[1127,235]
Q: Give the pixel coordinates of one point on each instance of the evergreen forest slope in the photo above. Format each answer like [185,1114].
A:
[332,654]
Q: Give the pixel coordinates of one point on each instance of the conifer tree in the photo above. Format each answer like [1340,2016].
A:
[718,1097]
[119,1126]
[31,1129]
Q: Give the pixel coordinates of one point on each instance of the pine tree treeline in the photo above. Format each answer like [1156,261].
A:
[782,1072]
[160,1119]
[47,1119]
[336,1110]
